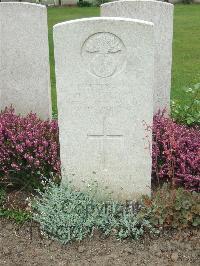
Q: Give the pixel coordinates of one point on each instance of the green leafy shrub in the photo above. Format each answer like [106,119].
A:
[187,2]
[66,215]
[189,113]
[82,3]
[100,2]
[176,208]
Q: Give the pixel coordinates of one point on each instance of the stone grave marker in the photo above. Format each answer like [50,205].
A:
[104,76]
[161,14]
[24,59]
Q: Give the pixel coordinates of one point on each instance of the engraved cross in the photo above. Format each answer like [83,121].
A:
[103,137]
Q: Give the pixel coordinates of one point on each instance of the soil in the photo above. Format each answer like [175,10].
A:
[25,246]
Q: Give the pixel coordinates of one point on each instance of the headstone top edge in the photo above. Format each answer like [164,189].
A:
[105,19]
[129,1]
[22,4]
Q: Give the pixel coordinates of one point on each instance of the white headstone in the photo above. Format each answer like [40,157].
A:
[104,75]
[161,14]
[24,55]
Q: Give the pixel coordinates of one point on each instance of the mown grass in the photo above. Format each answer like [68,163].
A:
[186,49]
[186,44]
[57,15]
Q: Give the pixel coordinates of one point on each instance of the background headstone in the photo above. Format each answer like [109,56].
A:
[104,76]
[161,14]
[24,65]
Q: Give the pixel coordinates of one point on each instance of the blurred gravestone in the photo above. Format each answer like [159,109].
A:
[24,65]
[161,14]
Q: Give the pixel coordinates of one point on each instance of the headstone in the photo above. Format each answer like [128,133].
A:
[24,65]
[104,75]
[161,14]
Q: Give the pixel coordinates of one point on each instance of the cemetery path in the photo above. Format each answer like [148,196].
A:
[17,248]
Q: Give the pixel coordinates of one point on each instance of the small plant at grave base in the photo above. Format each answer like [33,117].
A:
[2,196]
[188,114]
[172,208]
[18,216]
[176,154]
[78,214]
[29,150]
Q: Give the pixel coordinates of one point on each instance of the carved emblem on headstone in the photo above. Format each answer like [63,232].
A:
[104,54]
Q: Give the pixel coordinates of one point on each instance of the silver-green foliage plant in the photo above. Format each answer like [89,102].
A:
[66,214]
[189,113]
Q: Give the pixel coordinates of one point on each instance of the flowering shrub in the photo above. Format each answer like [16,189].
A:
[176,153]
[29,149]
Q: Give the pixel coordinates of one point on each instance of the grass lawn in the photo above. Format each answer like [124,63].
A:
[186,46]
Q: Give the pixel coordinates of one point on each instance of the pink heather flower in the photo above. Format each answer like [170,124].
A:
[176,153]
[30,147]
[26,146]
